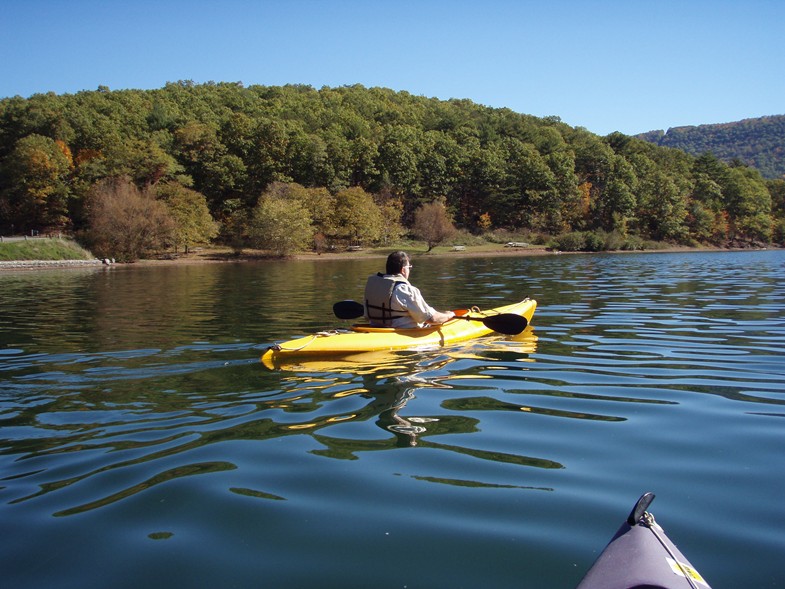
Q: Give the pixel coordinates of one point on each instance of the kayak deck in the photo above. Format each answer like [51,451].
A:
[364,338]
[642,555]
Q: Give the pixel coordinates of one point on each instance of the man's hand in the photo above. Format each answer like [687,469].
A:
[440,317]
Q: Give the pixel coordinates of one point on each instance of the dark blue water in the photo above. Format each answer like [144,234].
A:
[143,444]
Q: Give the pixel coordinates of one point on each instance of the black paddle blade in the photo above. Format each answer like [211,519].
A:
[506,323]
[348,310]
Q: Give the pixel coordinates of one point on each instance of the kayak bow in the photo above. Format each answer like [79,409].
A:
[642,555]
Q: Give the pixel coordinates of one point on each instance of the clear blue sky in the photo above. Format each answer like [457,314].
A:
[607,65]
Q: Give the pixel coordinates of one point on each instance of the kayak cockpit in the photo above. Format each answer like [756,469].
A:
[414,331]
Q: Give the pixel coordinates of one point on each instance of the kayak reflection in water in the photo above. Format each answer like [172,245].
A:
[391,392]
[406,430]
[392,301]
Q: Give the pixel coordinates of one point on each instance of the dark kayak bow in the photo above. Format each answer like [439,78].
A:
[642,555]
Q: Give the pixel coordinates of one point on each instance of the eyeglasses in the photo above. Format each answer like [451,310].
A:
[408,266]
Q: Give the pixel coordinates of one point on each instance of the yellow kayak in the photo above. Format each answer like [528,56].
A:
[402,362]
[364,338]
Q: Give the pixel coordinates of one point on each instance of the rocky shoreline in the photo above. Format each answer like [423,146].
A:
[38,264]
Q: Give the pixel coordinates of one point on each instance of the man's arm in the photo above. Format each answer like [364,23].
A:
[439,317]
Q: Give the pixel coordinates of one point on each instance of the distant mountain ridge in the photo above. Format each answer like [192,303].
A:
[759,143]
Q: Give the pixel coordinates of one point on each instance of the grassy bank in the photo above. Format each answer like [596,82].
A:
[43,249]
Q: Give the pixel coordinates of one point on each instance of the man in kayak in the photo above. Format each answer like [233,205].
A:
[391,301]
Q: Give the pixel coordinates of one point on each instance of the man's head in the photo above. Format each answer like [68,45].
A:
[396,262]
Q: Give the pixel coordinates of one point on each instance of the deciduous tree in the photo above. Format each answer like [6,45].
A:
[38,197]
[356,217]
[433,223]
[280,225]
[127,223]
[391,209]
[193,223]
[749,204]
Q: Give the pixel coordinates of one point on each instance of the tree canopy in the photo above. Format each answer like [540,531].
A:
[756,142]
[358,162]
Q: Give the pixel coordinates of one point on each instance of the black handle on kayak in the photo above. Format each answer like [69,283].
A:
[506,323]
[640,508]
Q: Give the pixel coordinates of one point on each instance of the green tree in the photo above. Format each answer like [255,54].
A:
[706,218]
[193,223]
[398,158]
[234,221]
[391,209]
[142,160]
[564,209]
[356,218]
[363,168]
[439,165]
[748,203]
[204,157]
[529,187]
[479,188]
[777,191]
[615,203]
[318,202]
[664,210]
[267,161]
[309,159]
[593,159]
[280,225]
[230,143]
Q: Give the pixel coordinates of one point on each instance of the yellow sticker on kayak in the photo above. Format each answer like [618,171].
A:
[685,570]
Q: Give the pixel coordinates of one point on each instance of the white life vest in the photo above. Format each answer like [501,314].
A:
[378,299]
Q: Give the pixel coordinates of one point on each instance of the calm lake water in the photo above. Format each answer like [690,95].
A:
[142,444]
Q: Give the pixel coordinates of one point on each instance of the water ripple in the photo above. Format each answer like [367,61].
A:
[640,371]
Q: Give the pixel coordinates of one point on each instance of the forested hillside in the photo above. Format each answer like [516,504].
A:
[294,167]
[759,143]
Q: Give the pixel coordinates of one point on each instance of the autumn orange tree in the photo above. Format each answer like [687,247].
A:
[40,197]
[433,223]
[127,223]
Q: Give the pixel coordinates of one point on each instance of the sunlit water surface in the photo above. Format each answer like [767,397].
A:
[142,444]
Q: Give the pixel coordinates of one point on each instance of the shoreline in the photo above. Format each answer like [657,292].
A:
[213,257]
[224,256]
